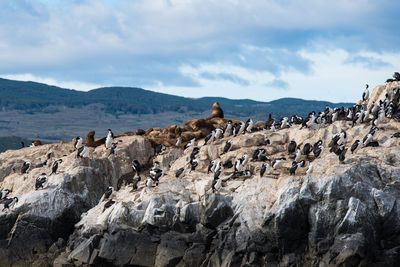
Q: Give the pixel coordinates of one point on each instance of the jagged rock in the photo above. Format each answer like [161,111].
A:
[45,215]
[171,250]
[344,214]
[217,210]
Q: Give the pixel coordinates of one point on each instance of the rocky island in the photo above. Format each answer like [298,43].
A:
[344,211]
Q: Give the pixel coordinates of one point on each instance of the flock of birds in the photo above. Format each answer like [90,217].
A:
[357,114]
[42,181]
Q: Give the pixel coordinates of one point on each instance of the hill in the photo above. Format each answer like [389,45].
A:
[131,100]
[31,110]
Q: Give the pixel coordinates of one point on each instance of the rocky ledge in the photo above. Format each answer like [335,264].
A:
[343,213]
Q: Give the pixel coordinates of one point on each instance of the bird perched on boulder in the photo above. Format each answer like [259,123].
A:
[83,152]
[136,166]
[108,204]
[4,193]
[114,148]
[56,164]
[25,167]
[292,147]
[180,172]
[41,181]
[8,202]
[78,142]
[109,139]
[264,167]
[136,182]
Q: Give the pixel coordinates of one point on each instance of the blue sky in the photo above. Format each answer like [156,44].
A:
[263,50]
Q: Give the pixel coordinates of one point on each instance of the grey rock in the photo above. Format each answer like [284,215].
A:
[171,249]
[216,211]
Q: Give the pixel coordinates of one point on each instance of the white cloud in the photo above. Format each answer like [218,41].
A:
[330,78]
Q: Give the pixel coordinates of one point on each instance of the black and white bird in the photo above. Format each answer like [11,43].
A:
[108,204]
[114,148]
[259,155]
[246,174]
[396,135]
[277,163]
[194,153]
[156,174]
[227,164]
[160,148]
[56,164]
[180,172]
[46,162]
[78,142]
[298,154]
[137,168]
[191,143]
[8,202]
[368,138]
[241,162]
[211,166]
[357,145]
[109,139]
[219,133]
[25,167]
[108,192]
[296,165]
[228,128]
[83,152]
[342,155]
[310,169]
[250,125]
[150,182]
[41,181]
[218,165]
[365,95]
[292,147]
[194,163]
[307,149]
[318,150]
[241,129]
[264,167]
[342,138]
[135,183]
[209,138]
[217,182]
[4,193]
[227,147]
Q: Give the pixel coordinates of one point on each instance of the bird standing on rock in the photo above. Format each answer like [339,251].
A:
[264,167]
[78,142]
[365,95]
[41,181]
[292,147]
[56,164]
[8,202]
[25,167]
[109,139]
[136,166]
[83,152]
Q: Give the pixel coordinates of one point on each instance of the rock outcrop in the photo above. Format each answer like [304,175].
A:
[342,214]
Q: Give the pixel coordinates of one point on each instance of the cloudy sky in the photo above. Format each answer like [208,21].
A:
[258,49]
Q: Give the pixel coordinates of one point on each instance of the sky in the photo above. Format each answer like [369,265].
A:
[257,49]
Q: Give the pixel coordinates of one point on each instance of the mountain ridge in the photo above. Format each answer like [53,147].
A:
[133,100]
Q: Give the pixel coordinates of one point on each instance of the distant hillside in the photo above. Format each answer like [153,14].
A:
[34,97]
